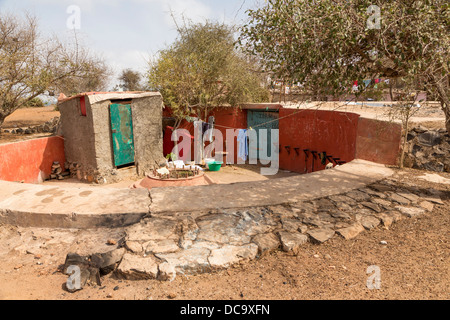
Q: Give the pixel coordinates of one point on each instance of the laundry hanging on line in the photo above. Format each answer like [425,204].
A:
[242,144]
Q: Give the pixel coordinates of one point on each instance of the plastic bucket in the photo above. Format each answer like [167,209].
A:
[214,165]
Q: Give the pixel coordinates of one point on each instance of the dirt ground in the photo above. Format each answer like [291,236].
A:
[30,117]
[414,264]
[244,173]
[26,117]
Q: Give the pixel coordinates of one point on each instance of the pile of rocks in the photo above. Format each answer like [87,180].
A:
[160,247]
[48,127]
[428,150]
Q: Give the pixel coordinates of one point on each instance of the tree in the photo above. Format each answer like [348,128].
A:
[31,65]
[130,80]
[328,44]
[202,69]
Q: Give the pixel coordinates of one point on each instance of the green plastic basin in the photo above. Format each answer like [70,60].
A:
[214,165]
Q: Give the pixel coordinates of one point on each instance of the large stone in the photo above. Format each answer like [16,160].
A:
[408,195]
[229,255]
[222,228]
[254,222]
[134,246]
[266,242]
[381,187]
[411,211]
[135,267]
[373,192]
[152,229]
[321,235]
[343,206]
[433,198]
[107,261]
[342,198]
[358,195]
[427,205]
[340,215]
[384,203]
[166,272]
[399,199]
[369,222]
[161,246]
[283,211]
[351,232]
[324,205]
[292,241]
[189,261]
[371,206]
[291,225]
[429,138]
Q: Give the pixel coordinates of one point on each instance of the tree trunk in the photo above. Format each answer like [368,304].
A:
[447,118]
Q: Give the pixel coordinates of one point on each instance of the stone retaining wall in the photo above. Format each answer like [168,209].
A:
[428,150]
[48,127]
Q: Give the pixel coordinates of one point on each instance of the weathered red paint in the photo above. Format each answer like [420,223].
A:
[30,160]
[378,141]
[83,105]
[316,130]
[341,135]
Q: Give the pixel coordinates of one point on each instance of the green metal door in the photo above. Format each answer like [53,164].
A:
[267,119]
[122,134]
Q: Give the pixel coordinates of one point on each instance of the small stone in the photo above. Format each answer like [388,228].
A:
[134,246]
[17,267]
[266,242]
[427,205]
[350,232]
[408,195]
[109,295]
[327,256]
[434,199]
[316,256]
[399,199]
[136,268]
[321,235]
[292,241]
[370,222]
[172,295]
[111,242]
[167,272]
[116,288]
[229,255]
[38,256]
[411,212]
[383,242]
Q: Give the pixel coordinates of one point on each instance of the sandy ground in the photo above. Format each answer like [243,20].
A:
[26,117]
[415,264]
[30,117]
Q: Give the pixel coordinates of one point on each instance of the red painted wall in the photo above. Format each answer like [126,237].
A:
[340,134]
[316,130]
[225,117]
[378,141]
[24,161]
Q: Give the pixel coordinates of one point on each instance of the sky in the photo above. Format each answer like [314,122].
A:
[126,33]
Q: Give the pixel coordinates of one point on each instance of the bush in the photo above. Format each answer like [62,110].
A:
[35,103]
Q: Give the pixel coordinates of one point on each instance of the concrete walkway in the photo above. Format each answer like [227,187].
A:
[353,175]
[91,207]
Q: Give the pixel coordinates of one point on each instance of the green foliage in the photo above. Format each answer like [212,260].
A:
[130,80]
[327,44]
[31,65]
[203,69]
[34,103]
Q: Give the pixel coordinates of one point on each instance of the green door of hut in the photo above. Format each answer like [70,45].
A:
[263,119]
[122,134]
